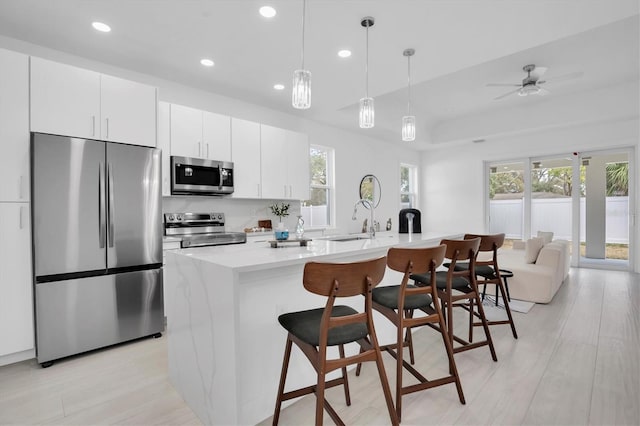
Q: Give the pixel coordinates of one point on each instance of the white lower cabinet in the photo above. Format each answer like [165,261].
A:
[164,143]
[16,300]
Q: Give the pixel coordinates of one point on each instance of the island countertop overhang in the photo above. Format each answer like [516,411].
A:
[254,256]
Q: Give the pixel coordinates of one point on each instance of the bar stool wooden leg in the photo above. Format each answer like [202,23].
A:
[283,378]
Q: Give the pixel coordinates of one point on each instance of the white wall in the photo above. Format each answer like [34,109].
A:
[453,187]
[356,154]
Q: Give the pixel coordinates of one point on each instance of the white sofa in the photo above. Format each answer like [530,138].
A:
[536,282]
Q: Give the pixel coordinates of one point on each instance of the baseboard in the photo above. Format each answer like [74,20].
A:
[17,357]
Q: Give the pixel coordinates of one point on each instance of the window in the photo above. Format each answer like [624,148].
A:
[408,186]
[317,211]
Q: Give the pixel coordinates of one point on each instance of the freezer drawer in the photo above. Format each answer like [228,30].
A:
[79,315]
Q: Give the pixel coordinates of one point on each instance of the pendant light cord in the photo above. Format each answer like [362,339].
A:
[304,7]
[366,66]
[409,85]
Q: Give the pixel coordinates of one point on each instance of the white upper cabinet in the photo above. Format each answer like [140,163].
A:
[285,163]
[201,134]
[128,111]
[72,101]
[216,136]
[245,154]
[14,126]
[16,301]
[298,165]
[164,135]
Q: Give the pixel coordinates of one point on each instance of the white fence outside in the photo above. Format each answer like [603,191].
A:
[554,214]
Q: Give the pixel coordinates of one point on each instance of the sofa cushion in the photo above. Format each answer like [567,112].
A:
[546,236]
[532,248]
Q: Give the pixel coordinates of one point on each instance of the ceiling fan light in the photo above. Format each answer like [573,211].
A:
[530,89]
[367,113]
[409,128]
[301,94]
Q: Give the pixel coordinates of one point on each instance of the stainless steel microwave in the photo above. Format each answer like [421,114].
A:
[197,176]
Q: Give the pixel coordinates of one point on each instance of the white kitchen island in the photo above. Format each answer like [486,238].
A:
[225,342]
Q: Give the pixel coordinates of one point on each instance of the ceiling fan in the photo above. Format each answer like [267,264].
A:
[531,84]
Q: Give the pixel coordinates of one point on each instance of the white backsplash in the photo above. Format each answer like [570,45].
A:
[239,213]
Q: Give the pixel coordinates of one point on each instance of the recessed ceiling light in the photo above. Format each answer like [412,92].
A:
[101,26]
[267,11]
[344,53]
[278,86]
[206,62]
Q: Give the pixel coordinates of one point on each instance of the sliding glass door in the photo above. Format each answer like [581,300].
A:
[585,198]
[605,209]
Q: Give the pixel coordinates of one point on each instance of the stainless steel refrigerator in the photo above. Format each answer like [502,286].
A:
[97,244]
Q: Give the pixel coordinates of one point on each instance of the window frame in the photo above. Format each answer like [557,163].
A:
[329,186]
[413,185]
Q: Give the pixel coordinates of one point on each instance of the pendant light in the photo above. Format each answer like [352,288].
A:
[409,121]
[301,92]
[367,113]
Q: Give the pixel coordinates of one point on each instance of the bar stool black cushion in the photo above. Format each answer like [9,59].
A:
[481,270]
[441,280]
[388,296]
[305,325]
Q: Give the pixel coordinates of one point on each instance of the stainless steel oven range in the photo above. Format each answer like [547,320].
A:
[200,229]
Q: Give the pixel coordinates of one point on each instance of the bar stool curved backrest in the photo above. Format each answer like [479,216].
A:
[405,305]
[488,271]
[314,330]
[456,285]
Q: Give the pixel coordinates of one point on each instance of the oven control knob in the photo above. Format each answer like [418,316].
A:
[171,217]
[179,217]
[219,217]
[212,216]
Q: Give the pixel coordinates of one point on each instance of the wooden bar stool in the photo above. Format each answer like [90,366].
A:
[398,303]
[455,286]
[489,274]
[334,325]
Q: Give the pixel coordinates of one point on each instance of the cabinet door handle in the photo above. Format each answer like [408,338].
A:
[107,135]
[20,218]
[93,125]
[258,186]
[207,150]
[20,186]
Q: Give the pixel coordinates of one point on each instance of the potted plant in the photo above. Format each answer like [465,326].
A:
[281,210]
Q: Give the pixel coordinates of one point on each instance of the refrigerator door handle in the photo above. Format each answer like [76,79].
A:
[110,191]
[102,225]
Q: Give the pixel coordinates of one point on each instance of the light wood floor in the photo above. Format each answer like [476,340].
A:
[577,361]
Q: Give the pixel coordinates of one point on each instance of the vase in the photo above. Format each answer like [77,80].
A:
[300,228]
[281,232]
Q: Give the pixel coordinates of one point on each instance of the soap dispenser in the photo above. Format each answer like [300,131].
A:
[389,224]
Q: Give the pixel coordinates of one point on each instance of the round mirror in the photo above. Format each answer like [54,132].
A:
[370,189]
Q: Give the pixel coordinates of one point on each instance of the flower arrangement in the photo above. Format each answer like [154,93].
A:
[281,210]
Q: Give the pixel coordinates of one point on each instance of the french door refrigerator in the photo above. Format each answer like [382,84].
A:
[97,244]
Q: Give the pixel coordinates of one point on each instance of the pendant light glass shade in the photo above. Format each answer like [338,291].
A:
[301,87]
[408,128]
[408,121]
[367,112]
[301,95]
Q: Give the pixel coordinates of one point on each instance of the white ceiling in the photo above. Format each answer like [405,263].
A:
[460,46]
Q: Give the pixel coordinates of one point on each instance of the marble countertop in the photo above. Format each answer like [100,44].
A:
[253,256]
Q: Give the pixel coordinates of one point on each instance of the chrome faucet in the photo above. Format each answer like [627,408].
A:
[369,205]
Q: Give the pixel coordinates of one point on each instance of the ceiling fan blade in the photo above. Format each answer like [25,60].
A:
[503,84]
[538,71]
[565,77]
[506,94]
